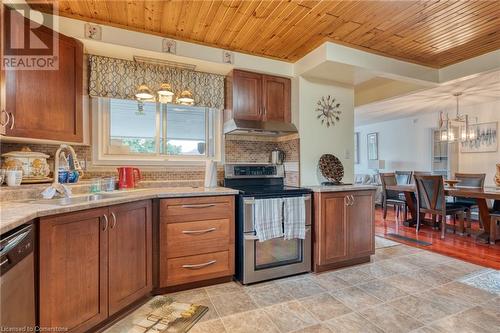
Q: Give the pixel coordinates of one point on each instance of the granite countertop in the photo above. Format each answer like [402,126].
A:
[16,213]
[341,188]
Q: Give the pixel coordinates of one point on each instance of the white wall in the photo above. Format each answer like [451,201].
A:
[405,144]
[317,139]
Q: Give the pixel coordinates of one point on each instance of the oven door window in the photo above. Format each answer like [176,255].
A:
[277,252]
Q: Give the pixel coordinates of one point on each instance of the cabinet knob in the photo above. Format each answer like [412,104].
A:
[114,220]
[7,118]
[13,117]
[106,222]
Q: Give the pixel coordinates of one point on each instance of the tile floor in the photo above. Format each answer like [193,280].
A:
[403,289]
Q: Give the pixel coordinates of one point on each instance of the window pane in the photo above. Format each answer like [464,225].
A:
[132,131]
[186,131]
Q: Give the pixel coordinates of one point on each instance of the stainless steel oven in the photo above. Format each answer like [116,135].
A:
[276,257]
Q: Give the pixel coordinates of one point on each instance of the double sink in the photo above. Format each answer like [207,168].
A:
[78,199]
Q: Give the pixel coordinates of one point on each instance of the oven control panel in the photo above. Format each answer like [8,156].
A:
[253,171]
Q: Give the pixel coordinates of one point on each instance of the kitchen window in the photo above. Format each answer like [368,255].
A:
[154,133]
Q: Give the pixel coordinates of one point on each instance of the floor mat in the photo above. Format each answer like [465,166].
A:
[409,239]
[161,314]
[486,279]
[381,242]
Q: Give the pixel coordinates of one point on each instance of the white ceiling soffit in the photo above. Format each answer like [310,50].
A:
[480,89]
[337,72]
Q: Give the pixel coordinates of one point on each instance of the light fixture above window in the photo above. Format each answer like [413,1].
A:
[165,93]
[185,98]
[143,92]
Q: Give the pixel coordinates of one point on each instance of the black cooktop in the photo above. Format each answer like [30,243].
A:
[275,190]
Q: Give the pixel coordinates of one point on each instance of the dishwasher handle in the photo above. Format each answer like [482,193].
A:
[15,247]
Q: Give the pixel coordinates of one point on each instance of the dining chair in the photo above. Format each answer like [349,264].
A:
[431,199]
[495,222]
[390,197]
[403,177]
[419,173]
[470,180]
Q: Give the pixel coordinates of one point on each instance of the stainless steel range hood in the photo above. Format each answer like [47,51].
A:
[255,127]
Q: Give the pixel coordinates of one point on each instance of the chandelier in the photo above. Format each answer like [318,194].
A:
[455,128]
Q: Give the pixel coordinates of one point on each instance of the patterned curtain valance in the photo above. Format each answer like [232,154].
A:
[118,78]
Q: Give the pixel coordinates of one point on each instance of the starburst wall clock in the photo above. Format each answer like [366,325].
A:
[328,110]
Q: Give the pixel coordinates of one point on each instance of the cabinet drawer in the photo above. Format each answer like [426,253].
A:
[190,238]
[196,209]
[200,267]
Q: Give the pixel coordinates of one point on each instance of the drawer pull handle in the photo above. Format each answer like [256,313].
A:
[198,231]
[106,222]
[200,265]
[4,262]
[198,206]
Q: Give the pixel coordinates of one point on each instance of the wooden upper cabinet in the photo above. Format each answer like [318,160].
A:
[47,104]
[254,96]
[276,98]
[247,98]
[4,117]
[73,270]
[130,253]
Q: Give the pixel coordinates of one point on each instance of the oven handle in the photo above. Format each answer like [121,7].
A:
[250,237]
[251,201]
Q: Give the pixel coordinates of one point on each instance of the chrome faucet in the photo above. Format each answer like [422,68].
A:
[57,187]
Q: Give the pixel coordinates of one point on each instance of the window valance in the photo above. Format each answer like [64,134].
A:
[118,78]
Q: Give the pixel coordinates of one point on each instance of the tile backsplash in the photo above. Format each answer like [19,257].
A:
[237,150]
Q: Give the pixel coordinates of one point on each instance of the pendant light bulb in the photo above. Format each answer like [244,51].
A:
[186,98]
[143,92]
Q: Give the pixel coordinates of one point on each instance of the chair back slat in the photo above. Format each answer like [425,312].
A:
[389,179]
[403,177]
[471,179]
[430,193]
[419,173]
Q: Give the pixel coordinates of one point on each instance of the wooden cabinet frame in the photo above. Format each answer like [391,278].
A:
[85,244]
[344,228]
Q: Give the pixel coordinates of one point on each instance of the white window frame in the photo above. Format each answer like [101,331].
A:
[100,136]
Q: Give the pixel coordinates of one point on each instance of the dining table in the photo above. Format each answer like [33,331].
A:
[481,194]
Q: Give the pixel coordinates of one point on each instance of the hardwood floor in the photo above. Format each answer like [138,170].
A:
[462,247]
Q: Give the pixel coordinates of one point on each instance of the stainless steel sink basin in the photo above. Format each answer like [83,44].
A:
[78,199]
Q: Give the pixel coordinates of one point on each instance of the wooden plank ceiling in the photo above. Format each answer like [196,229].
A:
[433,33]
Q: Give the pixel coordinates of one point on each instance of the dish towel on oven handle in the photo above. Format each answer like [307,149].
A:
[268,218]
[294,217]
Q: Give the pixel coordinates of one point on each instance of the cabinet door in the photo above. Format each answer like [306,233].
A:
[276,98]
[47,104]
[130,249]
[3,113]
[334,238]
[361,225]
[73,272]
[247,95]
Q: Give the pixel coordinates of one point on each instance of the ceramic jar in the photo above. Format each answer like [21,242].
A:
[34,165]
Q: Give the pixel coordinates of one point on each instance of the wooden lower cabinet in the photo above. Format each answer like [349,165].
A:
[130,253]
[73,279]
[344,230]
[196,240]
[93,263]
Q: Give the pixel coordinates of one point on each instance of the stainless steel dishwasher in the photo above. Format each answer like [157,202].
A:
[17,280]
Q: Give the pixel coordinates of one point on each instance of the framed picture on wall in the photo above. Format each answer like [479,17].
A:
[372,146]
[483,138]
[356,148]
